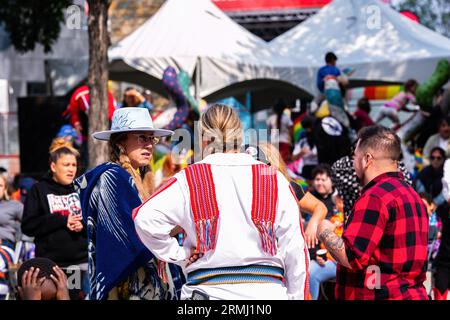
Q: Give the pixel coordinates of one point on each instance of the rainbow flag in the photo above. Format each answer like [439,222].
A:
[418,157]
[374,92]
[299,131]
[302,183]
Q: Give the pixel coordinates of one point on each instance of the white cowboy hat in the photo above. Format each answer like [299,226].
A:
[131,119]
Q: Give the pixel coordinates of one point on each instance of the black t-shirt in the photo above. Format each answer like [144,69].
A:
[328,202]
[298,190]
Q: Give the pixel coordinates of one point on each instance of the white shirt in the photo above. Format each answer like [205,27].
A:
[309,159]
[238,241]
[283,133]
[446,180]
[443,143]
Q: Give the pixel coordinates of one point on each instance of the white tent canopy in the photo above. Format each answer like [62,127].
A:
[368,35]
[195,36]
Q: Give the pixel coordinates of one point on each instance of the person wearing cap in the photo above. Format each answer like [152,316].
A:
[243,236]
[68,133]
[120,266]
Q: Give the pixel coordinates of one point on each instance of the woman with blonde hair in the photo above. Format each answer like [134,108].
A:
[307,202]
[10,217]
[239,218]
[120,267]
[52,214]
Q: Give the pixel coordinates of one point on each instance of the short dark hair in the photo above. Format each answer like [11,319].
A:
[308,122]
[279,106]
[322,168]
[445,119]
[381,139]
[364,104]
[410,84]
[330,57]
[440,150]
[45,268]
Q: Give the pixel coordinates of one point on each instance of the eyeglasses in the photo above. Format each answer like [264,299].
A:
[146,139]
[435,158]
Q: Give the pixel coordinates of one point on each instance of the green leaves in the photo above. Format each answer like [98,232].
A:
[31,22]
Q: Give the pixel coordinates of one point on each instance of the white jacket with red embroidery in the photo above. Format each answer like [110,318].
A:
[238,241]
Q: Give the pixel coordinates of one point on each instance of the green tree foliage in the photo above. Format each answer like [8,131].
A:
[434,14]
[31,22]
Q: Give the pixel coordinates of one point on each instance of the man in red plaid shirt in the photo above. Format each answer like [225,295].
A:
[383,251]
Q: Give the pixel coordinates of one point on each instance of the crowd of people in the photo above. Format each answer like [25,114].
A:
[280,219]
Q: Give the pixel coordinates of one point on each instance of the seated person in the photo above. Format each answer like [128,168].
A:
[440,139]
[323,187]
[323,269]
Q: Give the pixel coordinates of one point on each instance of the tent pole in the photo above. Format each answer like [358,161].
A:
[248,102]
[197,80]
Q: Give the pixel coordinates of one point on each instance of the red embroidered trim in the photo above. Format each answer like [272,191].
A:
[204,205]
[264,205]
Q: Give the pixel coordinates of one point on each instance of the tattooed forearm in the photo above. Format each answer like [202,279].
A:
[335,246]
[331,240]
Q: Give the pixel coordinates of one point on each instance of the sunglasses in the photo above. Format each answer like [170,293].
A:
[436,158]
[146,139]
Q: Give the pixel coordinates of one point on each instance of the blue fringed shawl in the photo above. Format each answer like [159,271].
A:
[108,196]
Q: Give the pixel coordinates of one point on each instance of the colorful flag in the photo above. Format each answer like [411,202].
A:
[299,131]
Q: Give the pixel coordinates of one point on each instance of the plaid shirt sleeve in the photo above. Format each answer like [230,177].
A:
[364,230]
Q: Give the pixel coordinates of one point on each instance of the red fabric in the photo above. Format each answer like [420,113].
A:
[438,295]
[387,229]
[80,101]
[268,5]
[285,151]
[203,204]
[264,205]
[363,118]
